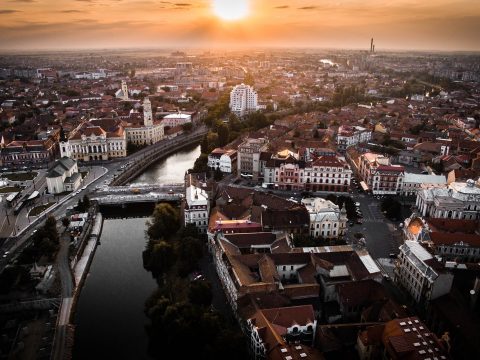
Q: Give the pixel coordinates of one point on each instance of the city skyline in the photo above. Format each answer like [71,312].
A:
[446,25]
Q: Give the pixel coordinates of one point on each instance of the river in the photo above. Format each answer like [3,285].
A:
[109,318]
[170,170]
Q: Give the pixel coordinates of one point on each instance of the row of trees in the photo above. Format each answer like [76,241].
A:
[45,243]
[180,309]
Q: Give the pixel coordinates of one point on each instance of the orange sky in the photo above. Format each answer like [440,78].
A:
[395,24]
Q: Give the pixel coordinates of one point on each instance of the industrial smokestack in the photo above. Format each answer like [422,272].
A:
[373,48]
[371,45]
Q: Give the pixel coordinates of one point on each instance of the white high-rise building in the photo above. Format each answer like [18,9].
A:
[243,99]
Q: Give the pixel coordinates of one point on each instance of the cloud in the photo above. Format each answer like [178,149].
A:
[8,11]
[307,8]
[72,11]
[182,4]
[282,7]
[23,1]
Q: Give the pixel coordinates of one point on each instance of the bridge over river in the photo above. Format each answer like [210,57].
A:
[119,195]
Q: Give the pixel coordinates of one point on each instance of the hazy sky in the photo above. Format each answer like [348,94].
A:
[395,24]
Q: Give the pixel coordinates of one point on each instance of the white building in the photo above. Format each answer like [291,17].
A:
[176,119]
[225,160]
[327,173]
[413,182]
[63,176]
[149,132]
[421,274]
[196,208]
[90,142]
[352,135]
[243,99]
[460,200]
[326,218]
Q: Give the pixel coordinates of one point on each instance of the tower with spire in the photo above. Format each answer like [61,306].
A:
[147,112]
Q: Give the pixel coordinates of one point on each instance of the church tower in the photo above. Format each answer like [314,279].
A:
[147,112]
[124,90]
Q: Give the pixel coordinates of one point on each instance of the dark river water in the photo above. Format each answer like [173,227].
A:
[109,318]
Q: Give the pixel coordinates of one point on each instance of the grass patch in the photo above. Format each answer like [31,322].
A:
[39,209]
[10,189]
[24,176]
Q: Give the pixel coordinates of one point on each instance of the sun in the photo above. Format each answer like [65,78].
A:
[231,9]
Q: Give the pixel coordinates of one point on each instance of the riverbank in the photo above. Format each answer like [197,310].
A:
[65,329]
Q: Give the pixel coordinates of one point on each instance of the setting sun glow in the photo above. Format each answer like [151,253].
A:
[231,10]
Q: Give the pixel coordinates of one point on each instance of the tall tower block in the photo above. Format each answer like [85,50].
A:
[147,112]
[371,45]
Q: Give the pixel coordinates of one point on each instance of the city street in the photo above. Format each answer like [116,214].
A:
[382,236]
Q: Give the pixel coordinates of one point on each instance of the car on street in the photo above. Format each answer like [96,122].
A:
[392,256]
[5,254]
[357,204]
[359,221]
[351,223]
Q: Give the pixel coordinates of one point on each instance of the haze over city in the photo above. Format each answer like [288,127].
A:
[446,25]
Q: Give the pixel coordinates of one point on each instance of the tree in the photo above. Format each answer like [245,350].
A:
[159,257]
[217,175]
[65,221]
[164,223]
[188,127]
[188,250]
[200,293]
[201,164]
[223,134]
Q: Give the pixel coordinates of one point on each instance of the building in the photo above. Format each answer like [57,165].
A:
[63,176]
[404,338]
[225,160]
[176,119]
[455,240]
[381,177]
[327,173]
[413,182]
[326,218]
[421,274]
[248,162]
[148,132]
[95,140]
[122,93]
[459,200]
[351,135]
[243,99]
[196,208]
[28,153]
[283,333]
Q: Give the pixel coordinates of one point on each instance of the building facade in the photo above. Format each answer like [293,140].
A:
[327,220]
[351,135]
[63,176]
[148,132]
[460,200]
[421,274]
[248,162]
[381,177]
[91,142]
[243,99]
[196,208]
[327,173]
